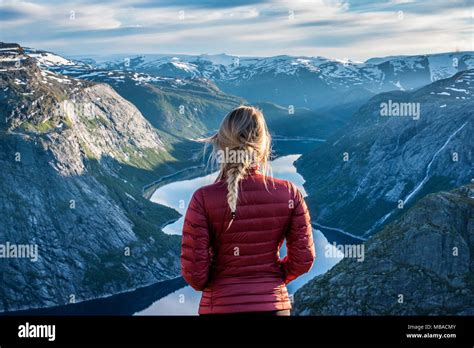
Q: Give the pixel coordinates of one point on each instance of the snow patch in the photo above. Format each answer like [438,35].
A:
[49,59]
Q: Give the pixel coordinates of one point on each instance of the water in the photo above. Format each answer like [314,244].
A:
[125,304]
[185,301]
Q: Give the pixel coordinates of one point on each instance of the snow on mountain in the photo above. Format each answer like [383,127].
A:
[445,65]
[461,88]
[441,65]
[219,59]
[48,59]
[231,67]
[381,74]
[312,82]
[88,69]
[248,67]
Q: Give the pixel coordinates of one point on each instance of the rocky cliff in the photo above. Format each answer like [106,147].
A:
[378,165]
[420,264]
[74,156]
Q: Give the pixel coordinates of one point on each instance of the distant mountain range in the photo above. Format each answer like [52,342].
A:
[312,82]
[184,106]
[328,88]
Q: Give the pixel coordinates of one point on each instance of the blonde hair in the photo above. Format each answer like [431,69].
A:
[244,135]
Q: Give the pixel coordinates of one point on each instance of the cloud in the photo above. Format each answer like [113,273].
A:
[209,4]
[357,29]
[9,14]
[14,12]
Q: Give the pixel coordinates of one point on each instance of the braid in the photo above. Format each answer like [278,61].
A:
[233,176]
[243,141]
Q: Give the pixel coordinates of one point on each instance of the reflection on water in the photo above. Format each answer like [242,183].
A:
[125,303]
[184,301]
[177,195]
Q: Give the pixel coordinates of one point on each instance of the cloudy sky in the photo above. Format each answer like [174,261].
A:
[354,29]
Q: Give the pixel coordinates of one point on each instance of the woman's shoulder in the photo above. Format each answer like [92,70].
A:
[282,184]
[267,183]
[211,188]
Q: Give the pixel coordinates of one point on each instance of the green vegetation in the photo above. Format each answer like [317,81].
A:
[147,159]
[141,211]
[317,125]
[38,128]
[86,150]
[202,108]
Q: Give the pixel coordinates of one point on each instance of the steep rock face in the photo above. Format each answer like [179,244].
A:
[372,169]
[421,264]
[186,108]
[74,156]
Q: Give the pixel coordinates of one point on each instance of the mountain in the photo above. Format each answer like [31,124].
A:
[184,108]
[186,95]
[339,86]
[369,171]
[181,107]
[420,264]
[74,157]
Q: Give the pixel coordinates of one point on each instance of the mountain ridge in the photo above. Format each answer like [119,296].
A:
[340,86]
[384,163]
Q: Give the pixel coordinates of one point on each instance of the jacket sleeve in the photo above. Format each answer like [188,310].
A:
[300,253]
[195,252]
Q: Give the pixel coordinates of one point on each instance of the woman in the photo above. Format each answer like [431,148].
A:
[234,228]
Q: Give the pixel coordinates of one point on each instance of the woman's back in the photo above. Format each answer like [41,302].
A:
[234,228]
[238,267]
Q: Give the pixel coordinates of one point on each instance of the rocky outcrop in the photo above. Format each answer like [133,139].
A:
[421,264]
[74,157]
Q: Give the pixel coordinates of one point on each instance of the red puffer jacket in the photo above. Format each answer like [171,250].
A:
[239,269]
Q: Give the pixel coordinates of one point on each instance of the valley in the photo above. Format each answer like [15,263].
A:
[88,145]
[368,173]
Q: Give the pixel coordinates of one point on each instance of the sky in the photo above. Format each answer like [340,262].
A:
[340,29]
